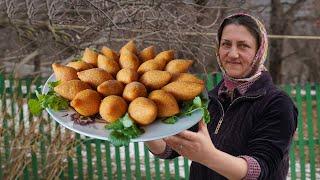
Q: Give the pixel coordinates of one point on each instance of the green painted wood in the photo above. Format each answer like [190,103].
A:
[89,160]
[1,170]
[157,168]
[6,133]
[108,160]
[300,133]
[176,168]
[118,163]
[209,82]
[61,176]
[287,89]
[79,157]
[42,144]
[128,162]
[166,169]
[186,168]
[99,162]
[318,110]
[70,168]
[20,105]
[12,100]
[310,132]
[147,163]
[25,173]
[34,163]
[137,160]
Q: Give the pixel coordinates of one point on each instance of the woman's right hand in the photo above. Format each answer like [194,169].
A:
[156,146]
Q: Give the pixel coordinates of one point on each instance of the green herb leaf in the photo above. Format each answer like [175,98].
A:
[51,85]
[118,139]
[197,102]
[126,121]
[117,125]
[171,120]
[35,107]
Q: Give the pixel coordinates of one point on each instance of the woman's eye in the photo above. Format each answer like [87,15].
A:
[226,44]
[244,46]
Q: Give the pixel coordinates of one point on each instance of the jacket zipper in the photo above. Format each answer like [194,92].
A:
[222,117]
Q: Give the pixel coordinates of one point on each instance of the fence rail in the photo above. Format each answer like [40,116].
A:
[38,148]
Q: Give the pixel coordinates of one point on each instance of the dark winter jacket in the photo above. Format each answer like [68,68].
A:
[260,124]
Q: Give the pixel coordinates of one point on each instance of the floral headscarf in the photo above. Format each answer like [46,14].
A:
[258,63]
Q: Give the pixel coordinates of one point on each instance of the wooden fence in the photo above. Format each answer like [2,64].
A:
[39,148]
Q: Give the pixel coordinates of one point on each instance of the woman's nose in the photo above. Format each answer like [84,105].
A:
[233,53]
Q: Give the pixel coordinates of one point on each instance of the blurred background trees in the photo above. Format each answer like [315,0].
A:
[34,33]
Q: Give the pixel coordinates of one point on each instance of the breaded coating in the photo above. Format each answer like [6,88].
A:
[186,77]
[184,91]
[108,64]
[87,102]
[178,66]
[110,53]
[130,46]
[166,103]
[111,87]
[64,73]
[80,65]
[155,79]
[112,108]
[143,110]
[134,90]
[127,75]
[129,60]
[164,57]
[90,56]
[150,65]
[69,89]
[95,76]
[147,54]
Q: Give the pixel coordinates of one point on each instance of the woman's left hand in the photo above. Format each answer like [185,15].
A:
[195,146]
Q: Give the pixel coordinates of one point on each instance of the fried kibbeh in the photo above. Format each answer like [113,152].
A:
[184,91]
[166,103]
[150,65]
[186,77]
[112,108]
[64,73]
[95,76]
[69,89]
[80,65]
[110,53]
[108,64]
[86,102]
[130,46]
[127,75]
[155,79]
[143,110]
[129,60]
[178,66]
[90,56]
[134,90]
[111,87]
[147,54]
[164,57]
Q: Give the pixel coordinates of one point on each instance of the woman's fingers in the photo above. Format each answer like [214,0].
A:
[189,135]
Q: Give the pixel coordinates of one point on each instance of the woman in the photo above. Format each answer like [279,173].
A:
[252,121]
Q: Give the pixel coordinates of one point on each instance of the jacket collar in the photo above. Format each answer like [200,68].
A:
[259,87]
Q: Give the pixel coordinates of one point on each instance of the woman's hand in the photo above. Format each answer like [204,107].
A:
[193,145]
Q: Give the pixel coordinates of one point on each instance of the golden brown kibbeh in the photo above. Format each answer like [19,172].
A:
[112,108]
[127,75]
[90,56]
[69,89]
[95,76]
[80,65]
[64,73]
[166,103]
[143,110]
[178,66]
[155,79]
[184,91]
[111,87]
[134,90]
[86,102]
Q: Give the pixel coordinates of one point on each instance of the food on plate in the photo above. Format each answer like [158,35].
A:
[80,65]
[178,66]
[150,65]
[87,102]
[186,77]
[110,53]
[134,90]
[147,54]
[90,56]
[184,91]
[166,103]
[143,110]
[108,64]
[111,87]
[164,57]
[112,108]
[64,73]
[69,89]
[129,60]
[130,46]
[127,75]
[95,76]
[155,79]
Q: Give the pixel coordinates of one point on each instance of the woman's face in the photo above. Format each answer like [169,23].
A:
[237,50]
